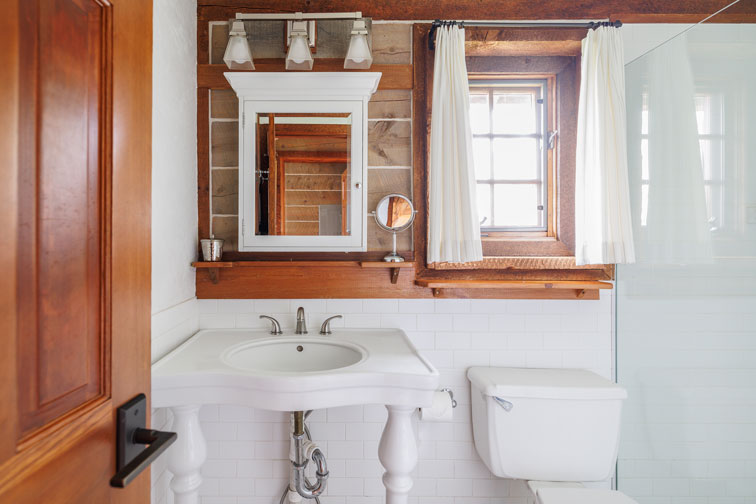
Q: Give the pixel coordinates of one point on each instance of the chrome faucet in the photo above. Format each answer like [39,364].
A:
[301,324]
[276,327]
[326,327]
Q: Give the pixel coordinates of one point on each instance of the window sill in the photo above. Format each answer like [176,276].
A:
[561,289]
[516,262]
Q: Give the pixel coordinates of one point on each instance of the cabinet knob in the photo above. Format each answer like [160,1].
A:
[358,185]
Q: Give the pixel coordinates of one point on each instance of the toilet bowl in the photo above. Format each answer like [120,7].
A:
[554,428]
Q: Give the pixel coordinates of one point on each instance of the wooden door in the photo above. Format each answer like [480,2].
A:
[75,163]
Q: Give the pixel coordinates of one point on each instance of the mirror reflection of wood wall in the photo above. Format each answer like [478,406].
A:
[301,183]
[394,212]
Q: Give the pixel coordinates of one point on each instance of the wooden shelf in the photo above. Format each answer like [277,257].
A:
[316,279]
[213,268]
[269,264]
[580,287]
[395,267]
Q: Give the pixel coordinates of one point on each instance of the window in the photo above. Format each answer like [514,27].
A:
[509,123]
[525,170]
[711,137]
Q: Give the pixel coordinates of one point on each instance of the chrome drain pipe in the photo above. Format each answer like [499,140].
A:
[302,451]
[306,451]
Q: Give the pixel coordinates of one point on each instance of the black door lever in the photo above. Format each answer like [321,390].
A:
[132,456]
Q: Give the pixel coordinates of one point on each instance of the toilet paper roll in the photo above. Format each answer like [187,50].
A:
[441,410]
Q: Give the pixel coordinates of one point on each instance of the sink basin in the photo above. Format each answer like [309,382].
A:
[294,355]
[247,366]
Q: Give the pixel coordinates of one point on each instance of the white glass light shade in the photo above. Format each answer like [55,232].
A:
[358,54]
[238,55]
[299,57]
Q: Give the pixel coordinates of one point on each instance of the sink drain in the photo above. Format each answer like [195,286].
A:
[300,348]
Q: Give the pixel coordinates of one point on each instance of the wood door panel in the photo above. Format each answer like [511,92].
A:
[36,476]
[76,177]
[62,235]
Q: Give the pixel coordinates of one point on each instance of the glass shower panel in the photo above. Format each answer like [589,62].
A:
[686,311]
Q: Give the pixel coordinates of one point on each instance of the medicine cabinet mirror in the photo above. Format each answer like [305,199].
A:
[303,157]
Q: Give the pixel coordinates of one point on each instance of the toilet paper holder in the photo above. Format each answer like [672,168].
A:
[451,394]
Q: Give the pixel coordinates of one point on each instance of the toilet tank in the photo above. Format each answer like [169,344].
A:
[546,424]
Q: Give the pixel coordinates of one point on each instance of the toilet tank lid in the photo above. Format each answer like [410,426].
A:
[544,383]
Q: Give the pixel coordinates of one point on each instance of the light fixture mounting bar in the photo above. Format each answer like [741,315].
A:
[299,16]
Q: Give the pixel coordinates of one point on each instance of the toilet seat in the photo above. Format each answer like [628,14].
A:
[552,492]
[582,496]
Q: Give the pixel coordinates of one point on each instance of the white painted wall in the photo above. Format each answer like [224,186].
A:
[174,191]
[174,152]
[174,172]
[248,448]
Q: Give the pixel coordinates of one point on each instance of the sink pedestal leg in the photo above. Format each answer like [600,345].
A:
[398,453]
[186,457]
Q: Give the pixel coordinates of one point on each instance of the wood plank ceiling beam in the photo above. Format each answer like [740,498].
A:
[626,10]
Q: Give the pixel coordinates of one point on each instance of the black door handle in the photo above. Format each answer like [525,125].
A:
[132,457]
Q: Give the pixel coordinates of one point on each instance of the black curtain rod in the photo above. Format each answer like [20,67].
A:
[493,24]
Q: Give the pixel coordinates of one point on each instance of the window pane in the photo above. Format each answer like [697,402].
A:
[514,113]
[516,159]
[516,205]
[482,158]
[644,159]
[703,114]
[484,205]
[711,159]
[479,113]
[709,114]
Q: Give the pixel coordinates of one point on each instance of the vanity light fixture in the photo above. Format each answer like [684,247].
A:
[238,55]
[358,54]
[299,57]
[300,35]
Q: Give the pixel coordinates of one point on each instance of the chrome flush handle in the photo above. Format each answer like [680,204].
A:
[503,403]
[326,327]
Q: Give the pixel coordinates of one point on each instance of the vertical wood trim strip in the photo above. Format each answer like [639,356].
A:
[132,214]
[9,62]
[420,128]
[203,162]
[203,40]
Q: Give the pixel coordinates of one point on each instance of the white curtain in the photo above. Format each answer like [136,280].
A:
[454,230]
[603,223]
[677,229]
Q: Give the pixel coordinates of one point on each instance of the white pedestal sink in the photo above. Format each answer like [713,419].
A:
[294,373]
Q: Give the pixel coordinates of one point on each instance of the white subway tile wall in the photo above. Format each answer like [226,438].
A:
[248,448]
[170,328]
[689,364]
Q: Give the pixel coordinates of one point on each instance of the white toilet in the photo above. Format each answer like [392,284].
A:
[553,428]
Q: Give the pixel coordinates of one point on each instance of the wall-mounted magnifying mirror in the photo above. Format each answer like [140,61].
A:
[394,213]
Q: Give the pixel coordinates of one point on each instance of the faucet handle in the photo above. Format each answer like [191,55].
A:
[276,329]
[326,327]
